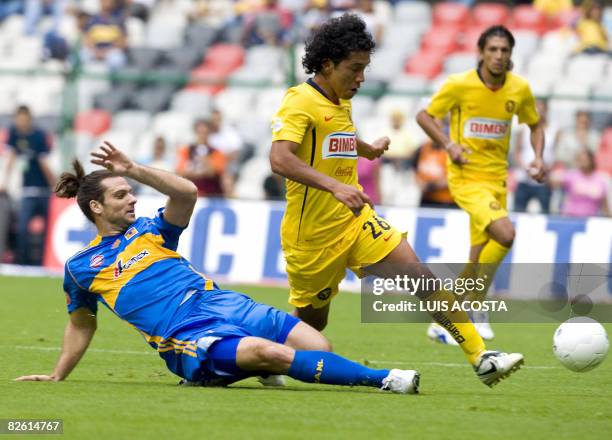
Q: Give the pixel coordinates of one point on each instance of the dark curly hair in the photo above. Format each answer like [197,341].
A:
[335,40]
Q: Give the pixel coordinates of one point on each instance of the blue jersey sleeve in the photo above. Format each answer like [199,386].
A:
[77,297]
[170,232]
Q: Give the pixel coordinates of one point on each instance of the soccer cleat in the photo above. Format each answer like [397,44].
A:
[493,366]
[273,380]
[402,381]
[439,334]
[481,322]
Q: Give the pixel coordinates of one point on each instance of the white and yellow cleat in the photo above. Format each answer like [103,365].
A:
[402,381]
[493,366]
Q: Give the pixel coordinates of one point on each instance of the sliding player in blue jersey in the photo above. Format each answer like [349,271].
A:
[204,334]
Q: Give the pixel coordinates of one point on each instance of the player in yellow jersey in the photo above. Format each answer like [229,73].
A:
[329,224]
[482,103]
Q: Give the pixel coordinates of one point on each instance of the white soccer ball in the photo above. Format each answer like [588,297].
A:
[581,344]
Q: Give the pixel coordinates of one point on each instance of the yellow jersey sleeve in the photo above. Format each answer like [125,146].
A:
[527,112]
[293,118]
[444,99]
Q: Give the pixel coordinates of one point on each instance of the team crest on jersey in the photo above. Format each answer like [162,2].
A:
[96,261]
[120,266]
[130,233]
[485,128]
[510,106]
[495,206]
[340,145]
[276,124]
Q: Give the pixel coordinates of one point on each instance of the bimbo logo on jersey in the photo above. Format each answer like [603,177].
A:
[340,145]
[483,128]
[120,267]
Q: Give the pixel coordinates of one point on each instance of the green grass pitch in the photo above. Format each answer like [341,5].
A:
[122,390]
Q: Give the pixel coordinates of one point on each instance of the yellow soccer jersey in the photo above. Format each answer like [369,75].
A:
[328,143]
[481,120]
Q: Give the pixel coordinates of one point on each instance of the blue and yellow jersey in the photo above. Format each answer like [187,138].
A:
[138,275]
[327,142]
[481,119]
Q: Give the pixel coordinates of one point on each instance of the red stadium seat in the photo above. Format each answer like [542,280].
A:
[3,138]
[427,64]
[450,13]
[566,19]
[469,39]
[225,56]
[490,14]
[527,17]
[94,122]
[603,157]
[441,39]
[219,62]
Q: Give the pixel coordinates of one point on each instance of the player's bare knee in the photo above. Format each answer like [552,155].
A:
[506,238]
[272,356]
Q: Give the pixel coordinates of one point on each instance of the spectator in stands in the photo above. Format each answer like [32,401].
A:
[135,8]
[591,30]
[274,187]
[580,137]
[32,145]
[586,190]
[365,10]
[226,139]
[430,166]
[105,37]
[158,160]
[553,7]
[36,9]
[202,164]
[403,145]
[269,24]
[369,177]
[523,155]
[10,7]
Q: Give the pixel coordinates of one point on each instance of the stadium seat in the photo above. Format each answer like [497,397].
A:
[578,65]
[267,102]
[93,122]
[121,97]
[385,65]
[388,104]
[123,139]
[252,175]
[565,19]
[200,35]
[49,123]
[184,58]
[226,57]
[427,64]
[235,102]
[468,41]
[166,32]
[450,14]
[176,127]
[529,18]
[253,129]
[526,43]
[408,12]
[441,39]
[567,88]
[362,107]
[135,120]
[144,57]
[136,34]
[408,84]
[459,62]
[192,102]
[153,99]
[402,40]
[490,14]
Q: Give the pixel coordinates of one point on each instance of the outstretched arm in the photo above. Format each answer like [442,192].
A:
[77,336]
[182,193]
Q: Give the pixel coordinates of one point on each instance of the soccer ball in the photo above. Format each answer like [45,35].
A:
[581,344]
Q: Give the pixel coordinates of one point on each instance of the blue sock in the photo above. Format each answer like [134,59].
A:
[329,368]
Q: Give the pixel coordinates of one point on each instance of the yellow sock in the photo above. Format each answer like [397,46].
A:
[458,324]
[489,260]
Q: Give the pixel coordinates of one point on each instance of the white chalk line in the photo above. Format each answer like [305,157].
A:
[371,361]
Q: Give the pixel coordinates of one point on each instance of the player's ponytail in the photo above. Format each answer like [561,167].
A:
[85,187]
[68,184]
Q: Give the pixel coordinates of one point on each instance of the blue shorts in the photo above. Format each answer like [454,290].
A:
[221,315]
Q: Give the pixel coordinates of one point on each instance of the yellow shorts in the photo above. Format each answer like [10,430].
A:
[484,201]
[314,274]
